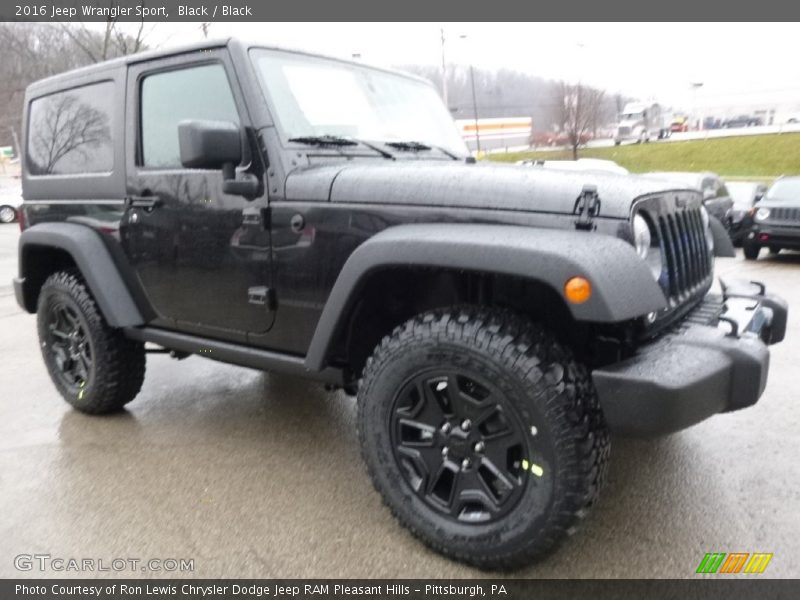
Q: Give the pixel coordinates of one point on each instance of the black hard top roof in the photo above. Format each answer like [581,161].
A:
[64,79]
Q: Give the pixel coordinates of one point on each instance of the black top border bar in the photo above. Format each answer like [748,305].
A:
[389,10]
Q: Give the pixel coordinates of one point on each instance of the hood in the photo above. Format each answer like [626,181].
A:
[629,123]
[765,203]
[483,185]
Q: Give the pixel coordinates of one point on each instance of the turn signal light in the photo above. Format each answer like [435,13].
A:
[578,290]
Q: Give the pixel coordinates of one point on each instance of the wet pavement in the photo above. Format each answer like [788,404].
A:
[258,475]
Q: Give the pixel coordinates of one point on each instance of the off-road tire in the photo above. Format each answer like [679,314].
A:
[751,251]
[118,363]
[541,383]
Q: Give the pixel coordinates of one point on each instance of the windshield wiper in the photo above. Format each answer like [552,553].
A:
[413,146]
[324,140]
[337,140]
[410,146]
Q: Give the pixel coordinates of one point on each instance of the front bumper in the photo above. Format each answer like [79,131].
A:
[765,234]
[701,369]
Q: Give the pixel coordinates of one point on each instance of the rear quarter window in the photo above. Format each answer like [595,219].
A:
[69,132]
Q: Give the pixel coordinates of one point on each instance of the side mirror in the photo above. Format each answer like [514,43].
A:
[209,144]
[216,145]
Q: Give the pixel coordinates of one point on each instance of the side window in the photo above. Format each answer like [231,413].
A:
[170,97]
[69,132]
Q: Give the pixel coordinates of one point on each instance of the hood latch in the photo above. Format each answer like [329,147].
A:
[587,207]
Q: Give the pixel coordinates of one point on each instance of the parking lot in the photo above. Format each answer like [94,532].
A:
[258,475]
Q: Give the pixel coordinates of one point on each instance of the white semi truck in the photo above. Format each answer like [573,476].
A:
[641,122]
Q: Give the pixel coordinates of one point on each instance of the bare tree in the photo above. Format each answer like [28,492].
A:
[33,51]
[579,108]
[116,39]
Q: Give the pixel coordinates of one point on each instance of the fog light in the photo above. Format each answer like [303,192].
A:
[578,290]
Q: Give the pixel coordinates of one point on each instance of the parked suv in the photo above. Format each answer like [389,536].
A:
[775,220]
[289,212]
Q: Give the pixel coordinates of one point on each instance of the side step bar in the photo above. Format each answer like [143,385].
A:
[235,354]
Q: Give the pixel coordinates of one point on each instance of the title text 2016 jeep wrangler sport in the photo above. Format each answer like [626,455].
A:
[294,213]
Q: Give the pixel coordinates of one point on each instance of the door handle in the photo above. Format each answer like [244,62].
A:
[145,202]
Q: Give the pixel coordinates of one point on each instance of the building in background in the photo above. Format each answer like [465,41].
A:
[497,133]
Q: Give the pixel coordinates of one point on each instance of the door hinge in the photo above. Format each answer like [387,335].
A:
[587,207]
[262,296]
[258,217]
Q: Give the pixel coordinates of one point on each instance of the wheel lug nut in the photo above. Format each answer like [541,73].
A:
[479,447]
[446,428]
[466,424]
[445,451]
[466,463]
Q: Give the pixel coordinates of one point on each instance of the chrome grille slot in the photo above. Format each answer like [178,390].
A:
[669,255]
[685,254]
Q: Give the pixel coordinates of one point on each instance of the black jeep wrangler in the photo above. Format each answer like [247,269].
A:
[294,213]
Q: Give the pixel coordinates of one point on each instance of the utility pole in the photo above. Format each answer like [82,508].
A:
[475,108]
[696,85]
[463,36]
[444,70]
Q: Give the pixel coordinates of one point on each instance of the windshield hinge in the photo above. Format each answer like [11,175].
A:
[587,207]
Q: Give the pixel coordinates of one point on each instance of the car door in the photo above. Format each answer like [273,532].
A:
[202,255]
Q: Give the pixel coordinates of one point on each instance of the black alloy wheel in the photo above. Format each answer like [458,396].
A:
[459,449]
[69,345]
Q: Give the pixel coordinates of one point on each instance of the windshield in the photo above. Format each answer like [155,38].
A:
[631,116]
[785,189]
[314,96]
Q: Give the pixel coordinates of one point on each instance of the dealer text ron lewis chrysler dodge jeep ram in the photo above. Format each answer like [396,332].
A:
[294,213]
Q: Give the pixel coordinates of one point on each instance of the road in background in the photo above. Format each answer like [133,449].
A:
[704,134]
[259,475]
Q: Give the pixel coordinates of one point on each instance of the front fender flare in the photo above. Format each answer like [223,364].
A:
[622,285]
[722,241]
[93,259]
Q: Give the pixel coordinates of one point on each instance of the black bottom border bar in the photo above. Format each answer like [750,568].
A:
[706,588]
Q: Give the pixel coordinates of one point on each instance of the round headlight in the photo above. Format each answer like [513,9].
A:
[762,213]
[641,236]
[643,243]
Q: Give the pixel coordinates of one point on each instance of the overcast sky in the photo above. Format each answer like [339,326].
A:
[737,63]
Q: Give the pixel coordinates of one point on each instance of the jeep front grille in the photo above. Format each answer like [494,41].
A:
[686,258]
[784,214]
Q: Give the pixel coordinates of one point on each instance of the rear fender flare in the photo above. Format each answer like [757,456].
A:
[95,263]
